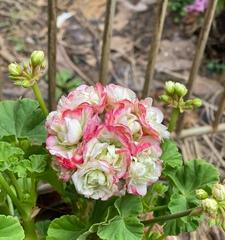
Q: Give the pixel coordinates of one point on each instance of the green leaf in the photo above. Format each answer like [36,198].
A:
[179,203]
[181,225]
[155,193]
[193,175]
[38,163]
[11,159]
[129,205]
[170,156]
[9,155]
[67,227]
[126,225]
[22,119]
[42,228]
[120,228]
[10,228]
[185,181]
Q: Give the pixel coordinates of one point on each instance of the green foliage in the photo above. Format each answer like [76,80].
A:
[171,157]
[66,228]
[216,67]
[65,82]
[22,119]
[126,225]
[11,159]
[10,228]
[220,5]
[122,224]
[122,228]
[193,175]
[42,228]
[155,193]
[178,8]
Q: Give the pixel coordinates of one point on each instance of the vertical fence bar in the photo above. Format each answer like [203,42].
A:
[157,34]
[202,41]
[52,31]
[221,108]
[1,85]
[107,35]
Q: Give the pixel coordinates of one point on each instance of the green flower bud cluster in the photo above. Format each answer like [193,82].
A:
[174,96]
[27,74]
[214,205]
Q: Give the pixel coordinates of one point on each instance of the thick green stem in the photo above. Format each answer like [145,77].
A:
[173,120]
[189,212]
[29,228]
[158,208]
[15,184]
[5,186]
[38,96]
[10,205]
[28,222]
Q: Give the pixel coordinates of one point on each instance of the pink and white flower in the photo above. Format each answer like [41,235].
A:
[118,158]
[145,169]
[94,96]
[116,93]
[106,141]
[123,114]
[95,179]
[65,134]
[151,119]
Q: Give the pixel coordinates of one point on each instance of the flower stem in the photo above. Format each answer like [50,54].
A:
[158,208]
[10,205]
[189,212]
[38,96]
[5,187]
[27,220]
[15,184]
[173,120]
[29,228]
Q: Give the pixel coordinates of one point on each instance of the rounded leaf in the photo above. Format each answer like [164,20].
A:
[10,228]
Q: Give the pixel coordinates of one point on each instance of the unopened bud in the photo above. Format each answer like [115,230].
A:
[218,192]
[37,58]
[164,98]
[15,69]
[43,65]
[201,194]
[210,206]
[197,102]
[169,87]
[180,89]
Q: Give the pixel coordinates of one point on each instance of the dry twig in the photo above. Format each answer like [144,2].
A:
[52,31]
[110,11]
[158,29]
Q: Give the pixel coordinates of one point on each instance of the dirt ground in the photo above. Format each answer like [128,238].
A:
[23,28]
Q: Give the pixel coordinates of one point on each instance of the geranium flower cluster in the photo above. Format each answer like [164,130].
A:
[198,6]
[106,140]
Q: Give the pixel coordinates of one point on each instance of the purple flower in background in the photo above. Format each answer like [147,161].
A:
[198,6]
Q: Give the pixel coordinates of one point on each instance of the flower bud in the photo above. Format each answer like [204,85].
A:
[197,102]
[15,69]
[170,87]
[201,194]
[218,192]
[37,58]
[210,206]
[180,89]
[164,98]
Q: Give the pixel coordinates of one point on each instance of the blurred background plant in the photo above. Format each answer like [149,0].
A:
[65,82]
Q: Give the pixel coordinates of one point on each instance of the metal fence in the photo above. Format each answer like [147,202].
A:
[161,10]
